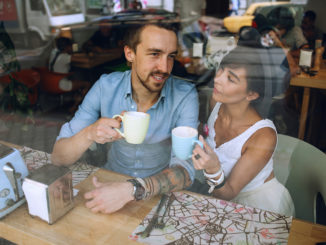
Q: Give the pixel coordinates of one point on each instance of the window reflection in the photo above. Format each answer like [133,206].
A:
[64,7]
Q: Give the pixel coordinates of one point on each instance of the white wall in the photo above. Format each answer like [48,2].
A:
[154,3]
[166,4]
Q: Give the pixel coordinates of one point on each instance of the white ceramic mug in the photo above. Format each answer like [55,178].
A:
[183,141]
[135,126]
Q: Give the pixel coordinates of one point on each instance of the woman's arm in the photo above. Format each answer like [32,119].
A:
[256,153]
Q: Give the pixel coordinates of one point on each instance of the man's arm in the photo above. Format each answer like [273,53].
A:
[109,197]
[169,180]
[66,151]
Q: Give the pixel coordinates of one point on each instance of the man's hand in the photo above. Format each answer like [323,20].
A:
[102,130]
[108,197]
[276,39]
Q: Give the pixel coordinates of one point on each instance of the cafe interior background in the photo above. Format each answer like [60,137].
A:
[33,109]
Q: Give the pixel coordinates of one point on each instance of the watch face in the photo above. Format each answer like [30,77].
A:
[139,191]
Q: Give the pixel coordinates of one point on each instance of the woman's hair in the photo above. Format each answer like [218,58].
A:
[132,37]
[260,73]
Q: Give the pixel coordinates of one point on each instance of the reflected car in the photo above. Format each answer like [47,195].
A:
[121,22]
[130,16]
[234,23]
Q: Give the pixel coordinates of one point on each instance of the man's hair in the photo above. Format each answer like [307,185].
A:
[132,37]
[311,15]
[63,42]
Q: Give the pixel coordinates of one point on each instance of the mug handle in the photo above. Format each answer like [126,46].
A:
[197,142]
[116,129]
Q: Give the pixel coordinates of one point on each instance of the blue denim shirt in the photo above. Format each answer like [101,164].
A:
[111,94]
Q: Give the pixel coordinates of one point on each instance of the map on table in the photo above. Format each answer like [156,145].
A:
[35,159]
[192,219]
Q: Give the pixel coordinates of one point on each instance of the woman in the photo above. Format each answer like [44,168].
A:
[237,156]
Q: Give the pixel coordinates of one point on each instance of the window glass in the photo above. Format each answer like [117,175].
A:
[64,7]
[36,5]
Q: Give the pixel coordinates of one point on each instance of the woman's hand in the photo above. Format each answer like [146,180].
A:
[205,158]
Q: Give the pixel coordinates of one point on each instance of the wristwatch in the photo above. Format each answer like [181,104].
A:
[139,190]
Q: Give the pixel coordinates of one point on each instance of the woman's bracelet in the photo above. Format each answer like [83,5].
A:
[211,176]
[214,184]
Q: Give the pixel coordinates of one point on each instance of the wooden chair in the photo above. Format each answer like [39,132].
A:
[301,167]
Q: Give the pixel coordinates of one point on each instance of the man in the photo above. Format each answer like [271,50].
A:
[290,35]
[103,40]
[148,87]
[309,29]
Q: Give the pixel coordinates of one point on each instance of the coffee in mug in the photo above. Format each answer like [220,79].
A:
[184,139]
[135,126]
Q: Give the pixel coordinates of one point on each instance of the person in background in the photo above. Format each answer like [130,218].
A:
[147,87]
[60,62]
[291,36]
[135,4]
[310,31]
[237,155]
[234,7]
[269,38]
[103,40]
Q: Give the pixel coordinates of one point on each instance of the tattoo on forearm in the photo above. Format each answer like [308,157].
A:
[172,179]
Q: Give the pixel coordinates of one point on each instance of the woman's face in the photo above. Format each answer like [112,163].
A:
[230,85]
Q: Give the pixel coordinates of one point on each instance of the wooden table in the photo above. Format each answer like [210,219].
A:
[80,226]
[88,61]
[307,82]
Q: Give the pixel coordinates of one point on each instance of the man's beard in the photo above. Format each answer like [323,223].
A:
[159,86]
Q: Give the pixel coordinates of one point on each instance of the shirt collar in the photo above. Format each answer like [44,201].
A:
[163,91]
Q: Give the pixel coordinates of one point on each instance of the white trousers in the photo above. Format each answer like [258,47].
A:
[271,196]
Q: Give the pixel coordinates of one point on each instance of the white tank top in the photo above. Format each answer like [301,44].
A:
[230,152]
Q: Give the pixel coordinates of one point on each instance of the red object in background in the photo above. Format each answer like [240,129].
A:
[50,80]
[8,10]
[254,24]
[28,77]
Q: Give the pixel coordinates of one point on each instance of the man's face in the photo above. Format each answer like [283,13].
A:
[306,24]
[153,60]
[105,28]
